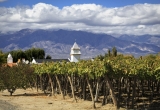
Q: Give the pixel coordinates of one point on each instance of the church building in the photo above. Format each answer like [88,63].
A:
[75,53]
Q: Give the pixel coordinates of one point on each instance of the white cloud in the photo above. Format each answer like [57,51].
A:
[133,19]
[3,0]
[141,26]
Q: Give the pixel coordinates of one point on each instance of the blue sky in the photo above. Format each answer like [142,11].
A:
[62,3]
[99,16]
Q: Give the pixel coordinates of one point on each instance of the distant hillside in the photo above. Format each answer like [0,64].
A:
[57,43]
[151,39]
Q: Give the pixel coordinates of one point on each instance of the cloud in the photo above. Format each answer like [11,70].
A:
[132,19]
[3,0]
[141,26]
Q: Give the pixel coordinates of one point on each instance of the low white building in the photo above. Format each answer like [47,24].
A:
[9,58]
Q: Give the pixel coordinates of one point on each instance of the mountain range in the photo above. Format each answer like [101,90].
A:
[58,43]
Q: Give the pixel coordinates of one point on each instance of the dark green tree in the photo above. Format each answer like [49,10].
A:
[100,57]
[48,57]
[2,58]
[114,51]
[109,52]
[28,54]
[16,54]
[37,53]
[20,76]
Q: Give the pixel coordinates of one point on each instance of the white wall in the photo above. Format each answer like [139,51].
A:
[75,58]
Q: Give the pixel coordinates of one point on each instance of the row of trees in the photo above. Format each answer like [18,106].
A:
[37,53]
[111,53]
[89,80]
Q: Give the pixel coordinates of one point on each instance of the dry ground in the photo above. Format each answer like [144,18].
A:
[30,99]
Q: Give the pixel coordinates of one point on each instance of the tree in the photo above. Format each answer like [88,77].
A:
[114,51]
[48,57]
[20,76]
[17,54]
[2,58]
[109,52]
[37,53]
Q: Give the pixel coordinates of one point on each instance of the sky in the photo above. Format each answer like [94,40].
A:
[136,17]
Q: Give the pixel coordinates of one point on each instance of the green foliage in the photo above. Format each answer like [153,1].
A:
[71,68]
[19,76]
[48,57]
[34,52]
[17,54]
[2,58]
[114,51]
[109,52]
[116,67]
[144,68]
[37,53]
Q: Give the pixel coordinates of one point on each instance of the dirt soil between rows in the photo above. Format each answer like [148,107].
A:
[30,99]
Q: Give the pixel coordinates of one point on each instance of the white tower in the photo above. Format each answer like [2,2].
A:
[75,53]
[9,59]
